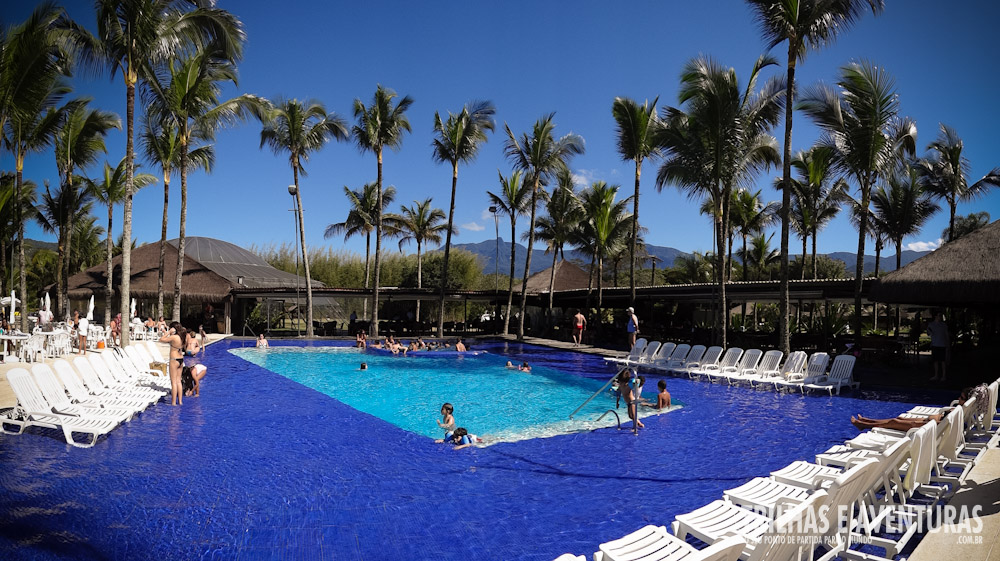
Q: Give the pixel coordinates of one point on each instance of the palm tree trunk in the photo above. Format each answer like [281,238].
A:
[60,261]
[720,258]
[305,252]
[552,279]
[126,281]
[447,247]
[635,235]
[743,307]
[784,341]
[368,245]
[163,243]
[899,263]
[951,219]
[859,271]
[22,269]
[420,285]
[805,239]
[179,275]
[814,255]
[527,261]
[109,286]
[510,281]
[378,244]
[70,215]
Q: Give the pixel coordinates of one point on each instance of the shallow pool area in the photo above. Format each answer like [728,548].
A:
[262,466]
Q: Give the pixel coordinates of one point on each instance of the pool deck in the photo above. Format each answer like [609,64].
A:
[7,398]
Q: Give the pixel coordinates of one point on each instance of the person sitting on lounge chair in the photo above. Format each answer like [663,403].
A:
[898,423]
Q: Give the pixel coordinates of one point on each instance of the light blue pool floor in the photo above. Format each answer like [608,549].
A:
[261,467]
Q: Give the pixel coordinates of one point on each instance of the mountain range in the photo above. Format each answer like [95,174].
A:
[487,251]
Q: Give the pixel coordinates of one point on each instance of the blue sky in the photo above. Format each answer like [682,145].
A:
[531,58]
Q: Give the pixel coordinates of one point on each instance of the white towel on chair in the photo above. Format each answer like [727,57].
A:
[955,435]
[923,455]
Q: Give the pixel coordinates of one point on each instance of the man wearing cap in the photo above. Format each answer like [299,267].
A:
[632,326]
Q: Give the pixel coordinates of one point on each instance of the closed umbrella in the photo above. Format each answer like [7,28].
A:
[48,303]
[132,308]
[13,304]
[90,309]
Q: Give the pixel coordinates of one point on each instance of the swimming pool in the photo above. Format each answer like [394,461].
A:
[263,467]
[495,402]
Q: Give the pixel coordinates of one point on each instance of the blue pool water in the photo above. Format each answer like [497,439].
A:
[490,400]
[264,467]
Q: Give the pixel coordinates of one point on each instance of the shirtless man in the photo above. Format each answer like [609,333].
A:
[579,324]
[460,346]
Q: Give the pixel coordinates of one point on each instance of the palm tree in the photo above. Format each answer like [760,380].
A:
[812,188]
[637,129]
[186,95]
[805,25]
[32,59]
[160,146]
[458,139]
[720,143]
[421,224]
[965,225]
[132,37]
[110,190]
[945,172]
[760,256]
[512,201]
[751,216]
[902,206]
[563,215]
[57,210]
[300,128]
[361,220]
[608,224]
[540,156]
[380,125]
[861,127]
[693,269]
[78,143]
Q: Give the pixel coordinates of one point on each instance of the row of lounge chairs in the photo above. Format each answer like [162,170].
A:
[752,367]
[871,495]
[91,397]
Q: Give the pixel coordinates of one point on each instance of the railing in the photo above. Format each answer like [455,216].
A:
[605,414]
[598,392]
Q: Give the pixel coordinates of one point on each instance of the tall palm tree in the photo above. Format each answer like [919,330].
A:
[751,216]
[965,225]
[300,128]
[110,191]
[945,173]
[719,143]
[512,201]
[361,220]
[759,257]
[421,224]
[86,250]
[862,128]
[160,146]
[805,25]
[540,156]
[32,61]
[132,37]
[636,127]
[814,190]
[380,125]
[693,269]
[78,143]
[607,222]
[185,94]
[563,215]
[57,211]
[458,139]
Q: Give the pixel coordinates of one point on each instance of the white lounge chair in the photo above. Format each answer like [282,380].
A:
[769,362]
[727,363]
[653,543]
[748,363]
[59,402]
[79,393]
[793,364]
[101,388]
[111,375]
[709,358]
[649,352]
[694,355]
[632,356]
[840,376]
[676,358]
[32,410]
[815,370]
[663,354]
[124,370]
[154,351]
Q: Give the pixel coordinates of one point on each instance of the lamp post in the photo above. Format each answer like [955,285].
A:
[293,190]
[496,270]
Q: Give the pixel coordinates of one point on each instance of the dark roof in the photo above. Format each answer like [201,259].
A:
[211,268]
[568,277]
[965,272]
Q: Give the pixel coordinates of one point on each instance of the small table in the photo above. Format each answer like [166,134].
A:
[14,338]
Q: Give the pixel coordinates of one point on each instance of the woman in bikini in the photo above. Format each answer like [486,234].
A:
[176,337]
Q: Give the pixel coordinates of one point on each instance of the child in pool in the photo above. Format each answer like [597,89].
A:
[447,421]
[462,439]
[524,367]
[510,365]
[662,398]
[364,366]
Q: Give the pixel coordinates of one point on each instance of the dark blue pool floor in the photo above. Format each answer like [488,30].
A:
[260,467]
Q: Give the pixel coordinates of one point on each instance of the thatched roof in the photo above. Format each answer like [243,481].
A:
[965,272]
[211,270]
[568,277]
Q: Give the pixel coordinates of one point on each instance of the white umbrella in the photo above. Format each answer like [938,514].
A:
[90,309]
[13,304]
[5,301]
[48,303]
[132,308]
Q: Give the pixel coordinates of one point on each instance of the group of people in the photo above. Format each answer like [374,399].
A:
[184,380]
[418,344]
[579,323]
[458,436]
[629,386]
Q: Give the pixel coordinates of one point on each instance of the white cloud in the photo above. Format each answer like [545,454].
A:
[583,177]
[472,227]
[486,214]
[923,246]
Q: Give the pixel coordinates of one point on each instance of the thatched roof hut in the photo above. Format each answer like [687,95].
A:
[212,269]
[568,277]
[963,273]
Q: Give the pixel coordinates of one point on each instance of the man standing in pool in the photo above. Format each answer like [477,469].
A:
[579,324]
[632,327]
